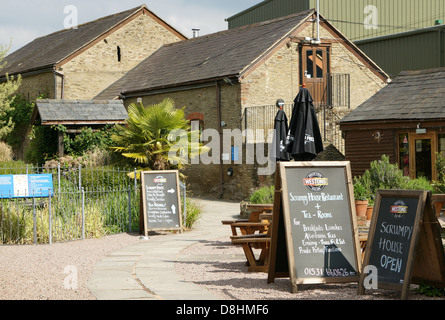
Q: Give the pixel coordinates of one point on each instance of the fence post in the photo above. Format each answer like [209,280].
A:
[34,218]
[58,175]
[83,213]
[50,218]
[80,176]
[129,209]
[135,179]
[184,203]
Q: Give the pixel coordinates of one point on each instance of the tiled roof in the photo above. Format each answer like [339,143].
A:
[85,111]
[47,51]
[215,56]
[412,95]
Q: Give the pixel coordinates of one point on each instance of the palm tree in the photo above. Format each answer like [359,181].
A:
[157,136]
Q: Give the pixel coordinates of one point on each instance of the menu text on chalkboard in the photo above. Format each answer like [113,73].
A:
[320,226]
[161,200]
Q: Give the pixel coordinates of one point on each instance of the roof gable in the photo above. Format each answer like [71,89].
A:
[47,51]
[227,54]
[215,56]
[412,95]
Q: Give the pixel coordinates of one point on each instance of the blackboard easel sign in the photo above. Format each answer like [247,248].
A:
[314,229]
[161,205]
[404,244]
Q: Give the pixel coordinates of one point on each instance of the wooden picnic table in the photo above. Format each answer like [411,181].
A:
[254,223]
[363,238]
[254,234]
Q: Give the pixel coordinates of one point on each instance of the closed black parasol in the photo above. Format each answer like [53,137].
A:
[304,140]
[280,134]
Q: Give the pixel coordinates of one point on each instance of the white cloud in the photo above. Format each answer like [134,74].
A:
[25,20]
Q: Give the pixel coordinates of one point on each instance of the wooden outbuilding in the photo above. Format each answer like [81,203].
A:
[76,114]
[405,121]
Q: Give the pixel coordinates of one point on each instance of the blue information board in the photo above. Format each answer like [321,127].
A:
[26,186]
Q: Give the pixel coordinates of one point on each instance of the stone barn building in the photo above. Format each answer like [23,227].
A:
[226,79]
[79,63]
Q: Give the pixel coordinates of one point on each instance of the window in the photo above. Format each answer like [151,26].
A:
[315,63]
[119,54]
[196,121]
[309,64]
[319,64]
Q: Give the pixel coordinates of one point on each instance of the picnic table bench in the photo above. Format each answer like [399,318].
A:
[254,223]
[254,234]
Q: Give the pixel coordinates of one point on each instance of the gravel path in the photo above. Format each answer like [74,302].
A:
[41,272]
[220,267]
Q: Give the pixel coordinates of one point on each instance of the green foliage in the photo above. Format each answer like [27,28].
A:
[153,132]
[421,183]
[20,114]
[7,95]
[193,212]
[383,175]
[360,191]
[439,184]
[19,226]
[263,195]
[87,140]
[430,291]
[42,146]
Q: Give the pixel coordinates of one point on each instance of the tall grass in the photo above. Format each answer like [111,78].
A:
[104,213]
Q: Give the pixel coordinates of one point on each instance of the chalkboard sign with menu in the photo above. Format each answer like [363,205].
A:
[161,200]
[403,221]
[319,223]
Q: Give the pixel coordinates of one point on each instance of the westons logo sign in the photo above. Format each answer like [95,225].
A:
[399,209]
[160,180]
[315,181]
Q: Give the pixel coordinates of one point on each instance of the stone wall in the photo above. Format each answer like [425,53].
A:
[92,71]
[364,82]
[98,67]
[277,77]
[211,179]
[37,85]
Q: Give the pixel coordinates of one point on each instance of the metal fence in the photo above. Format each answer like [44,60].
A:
[335,92]
[87,203]
[260,120]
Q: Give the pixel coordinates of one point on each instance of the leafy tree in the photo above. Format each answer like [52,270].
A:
[152,136]
[7,91]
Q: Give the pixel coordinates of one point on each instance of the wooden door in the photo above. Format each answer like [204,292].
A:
[314,71]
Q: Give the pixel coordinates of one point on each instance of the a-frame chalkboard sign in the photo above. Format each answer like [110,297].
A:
[314,229]
[404,243]
[161,204]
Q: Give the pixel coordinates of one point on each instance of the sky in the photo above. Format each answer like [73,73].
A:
[21,21]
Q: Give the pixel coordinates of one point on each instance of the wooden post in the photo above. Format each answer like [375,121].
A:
[60,144]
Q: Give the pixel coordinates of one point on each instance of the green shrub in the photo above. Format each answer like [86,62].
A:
[263,195]
[382,175]
[42,146]
[194,212]
[87,140]
[430,291]
[439,184]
